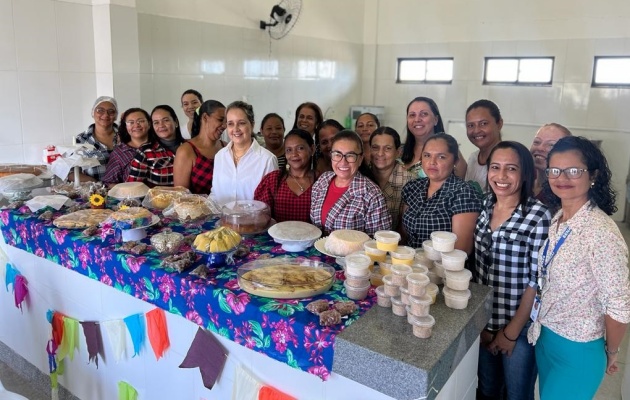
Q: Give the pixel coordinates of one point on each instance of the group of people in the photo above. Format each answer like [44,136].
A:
[535,222]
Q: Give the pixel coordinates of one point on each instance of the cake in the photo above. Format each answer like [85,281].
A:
[128,190]
[286,281]
[162,197]
[246,216]
[345,241]
[82,219]
[131,218]
[191,207]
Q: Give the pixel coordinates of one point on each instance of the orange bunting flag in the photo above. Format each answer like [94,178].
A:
[57,327]
[270,393]
[157,332]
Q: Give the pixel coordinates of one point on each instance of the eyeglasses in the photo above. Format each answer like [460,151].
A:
[350,157]
[100,111]
[571,172]
[131,122]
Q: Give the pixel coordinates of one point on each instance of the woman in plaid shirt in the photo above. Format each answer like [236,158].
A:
[510,229]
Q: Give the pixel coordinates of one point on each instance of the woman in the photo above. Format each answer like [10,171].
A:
[441,201]
[483,128]
[194,160]
[272,129]
[166,127]
[344,198]
[288,191]
[191,100]
[102,134]
[510,229]
[582,276]
[365,125]
[308,116]
[423,120]
[135,130]
[389,174]
[241,165]
[546,137]
[324,135]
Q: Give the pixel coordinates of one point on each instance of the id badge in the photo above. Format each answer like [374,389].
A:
[535,308]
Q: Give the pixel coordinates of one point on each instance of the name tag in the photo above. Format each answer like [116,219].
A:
[535,308]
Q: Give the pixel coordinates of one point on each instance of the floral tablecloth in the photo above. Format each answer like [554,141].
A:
[281,329]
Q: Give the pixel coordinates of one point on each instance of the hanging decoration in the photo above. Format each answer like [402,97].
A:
[157,332]
[126,391]
[135,325]
[117,337]
[207,354]
[20,290]
[93,339]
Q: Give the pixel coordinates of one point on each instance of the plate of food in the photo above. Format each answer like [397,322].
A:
[294,235]
[83,218]
[341,242]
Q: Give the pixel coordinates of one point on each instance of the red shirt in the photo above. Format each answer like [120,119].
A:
[333,194]
[284,204]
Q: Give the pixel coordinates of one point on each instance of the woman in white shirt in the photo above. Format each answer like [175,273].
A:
[240,166]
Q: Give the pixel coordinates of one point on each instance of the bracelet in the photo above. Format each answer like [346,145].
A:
[611,352]
[511,340]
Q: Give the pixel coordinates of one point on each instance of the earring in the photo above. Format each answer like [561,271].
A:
[592,184]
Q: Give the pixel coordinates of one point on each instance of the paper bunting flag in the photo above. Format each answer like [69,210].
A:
[126,391]
[70,341]
[206,353]
[57,327]
[117,337]
[246,387]
[20,290]
[270,393]
[135,325]
[93,339]
[158,332]
[10,275]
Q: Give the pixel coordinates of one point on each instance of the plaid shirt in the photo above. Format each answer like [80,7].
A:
[119,163]
[284,204]
[100,152]
[392,191]
[152,165]
[426,215]
[506,258]
[362,207]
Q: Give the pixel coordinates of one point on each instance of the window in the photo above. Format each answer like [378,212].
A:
[425,70]
[611,71]
[518,71]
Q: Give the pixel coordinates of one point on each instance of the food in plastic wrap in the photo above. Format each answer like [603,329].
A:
[14,205]
[127,246]
[18,182]
[217,240]
[90,188]
[91,231]
[191,208]
[345,307]
[46,216]
[246,216]
[77,207]
[127,190]
[162,196]
[180,262]
[129,203]
[131,218]
[201,271]
[66,189]
[82,219]
[317,306]
[167,242]
[330,317]
[138,249]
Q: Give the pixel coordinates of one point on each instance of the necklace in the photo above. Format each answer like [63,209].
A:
[296,181]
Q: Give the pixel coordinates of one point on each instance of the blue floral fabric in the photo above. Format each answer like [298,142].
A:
[282,329]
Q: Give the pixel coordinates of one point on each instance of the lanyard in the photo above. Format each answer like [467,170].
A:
[542,278]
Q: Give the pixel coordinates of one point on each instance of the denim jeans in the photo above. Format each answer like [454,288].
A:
[516,374]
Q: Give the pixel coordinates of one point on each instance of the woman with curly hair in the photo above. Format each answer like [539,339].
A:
[583,290]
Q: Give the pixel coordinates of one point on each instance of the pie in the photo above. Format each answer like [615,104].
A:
[82,219]
[286,281]
[163,196]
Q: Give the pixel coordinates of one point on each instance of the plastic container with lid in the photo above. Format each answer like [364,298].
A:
[376,279]
[430,252]
[372,251]
[454,260]
[458,280]
[438,268]
[419,269]
[434,278]
[358,264]
[404,295]
[443,241]
[399,273]
[421,258]
[398,307]
[357,281]
[417,284]
[382,299]
[423,326]
[387,240]
[385,266]
[410,316]
[420,306]
[403,255]
[456,299]
[246,216]
[433,290]
[356,293]
[167,242]
[390,288]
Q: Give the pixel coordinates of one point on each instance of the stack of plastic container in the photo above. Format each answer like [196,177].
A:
[357,271]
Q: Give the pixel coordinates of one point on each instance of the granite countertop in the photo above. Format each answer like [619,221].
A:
[381,352]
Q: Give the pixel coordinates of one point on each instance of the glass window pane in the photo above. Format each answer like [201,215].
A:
[612,71]
[412,70]
[501,70]
[440,70]
[535,70]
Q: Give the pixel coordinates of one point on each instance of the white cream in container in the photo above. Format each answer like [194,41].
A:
[358,264]
[430,252]
[458,280]
[443,241]
[454,260]
[456,299]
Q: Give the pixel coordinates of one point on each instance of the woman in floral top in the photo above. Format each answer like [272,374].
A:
[582,276]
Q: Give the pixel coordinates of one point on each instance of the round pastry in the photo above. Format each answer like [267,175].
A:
[345,241]
[132,217]
[162,197]
[191,207]
[128,190]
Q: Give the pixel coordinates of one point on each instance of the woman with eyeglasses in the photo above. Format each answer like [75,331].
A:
[583,287]
[423,120]
[390,175]
[195,160]
[191,101]
[365,125]
[344,198]
[510,230]
[308,116]
[241,165]
[102,134]
[287,192]
[324,135]
[135,130]
[442,201]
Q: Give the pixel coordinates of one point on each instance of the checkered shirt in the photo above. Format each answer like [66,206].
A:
[152,165]
[100,152]
[362,207]
[425,215]
[392,191]
[119,163]
[201,173]
[506,258]
[284,204]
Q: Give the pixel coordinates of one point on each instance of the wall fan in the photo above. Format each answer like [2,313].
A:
[283,17]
